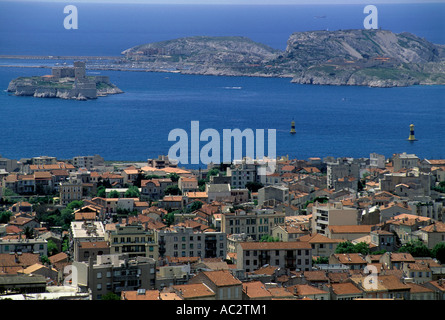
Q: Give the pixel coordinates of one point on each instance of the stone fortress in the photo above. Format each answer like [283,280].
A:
[66,82]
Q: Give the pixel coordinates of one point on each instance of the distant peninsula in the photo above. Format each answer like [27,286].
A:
[375,58]
[65,83]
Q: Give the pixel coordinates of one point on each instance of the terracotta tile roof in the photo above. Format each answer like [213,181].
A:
[417,288]
[350,258]
[346,288]
[9,264]
[256,290]
[305,290]
[62,256]
[222,278]
[435,227]
[401,257]
[84,216]
[269,270]
[280,293]
[318,238]
[193,291]
[350,229]
[135,295]
[316,275]
[93,245]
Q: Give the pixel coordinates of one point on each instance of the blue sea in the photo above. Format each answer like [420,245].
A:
[134,126]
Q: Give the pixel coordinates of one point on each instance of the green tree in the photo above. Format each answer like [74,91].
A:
[269,238]
[73,205]
[212,172]
[5,216]
[439,252]
[321,260]
[416,249]
[52,248]
[349,247]
[132,192]
[174,176]
[172,190]
[44,259]
[101,192]
[169,218]
[195,206]
[110,296]
[113,194]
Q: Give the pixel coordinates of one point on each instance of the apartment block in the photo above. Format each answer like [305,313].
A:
[253,224]
[185,242]
[114,273]
[133,240]
[331,214]
[295,255]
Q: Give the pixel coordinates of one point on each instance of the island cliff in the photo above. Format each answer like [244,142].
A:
[64,83]
[377,58]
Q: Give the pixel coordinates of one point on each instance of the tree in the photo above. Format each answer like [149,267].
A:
[195,206]
[321,260]
[439,252]
[5,216]
[101,192]
[132,192]
[114,194]
[52,248]
[110,296]
[349,247]
[212,172]
[268,238]
[416,249]
[73,205]
[172,190]
[174,176]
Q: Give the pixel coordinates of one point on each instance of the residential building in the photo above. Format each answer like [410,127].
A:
[291,255]
[344,291]
[255,224]
[88,162]
[153,189]
[383,240]
[114,273]
[341,169]
[322,246]
[36,246]
[221,282]
[275,194]
[404,161]
[355,261]
[348,232]
[433,234]
[185,242]
[188,184]
[133,240]
[70,191]
[332,214]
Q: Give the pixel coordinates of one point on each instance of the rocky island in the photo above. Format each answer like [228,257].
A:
[64,83]
[377,58]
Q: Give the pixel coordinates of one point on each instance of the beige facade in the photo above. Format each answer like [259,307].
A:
[253,224]
[291,255]
[133,240]
[332,214]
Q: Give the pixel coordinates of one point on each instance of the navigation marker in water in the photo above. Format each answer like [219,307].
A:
[411,133]
[292,125]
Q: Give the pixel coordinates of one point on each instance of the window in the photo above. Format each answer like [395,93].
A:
[99,275]
[99,286]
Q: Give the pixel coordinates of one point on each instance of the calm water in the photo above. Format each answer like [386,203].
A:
[330,121]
